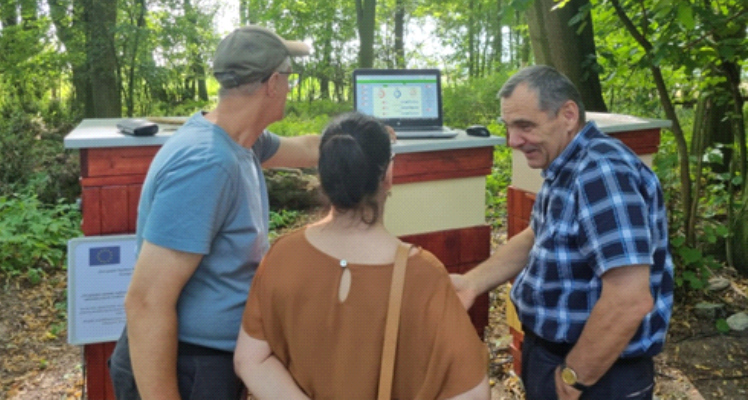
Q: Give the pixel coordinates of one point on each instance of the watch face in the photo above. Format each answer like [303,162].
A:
[568,376]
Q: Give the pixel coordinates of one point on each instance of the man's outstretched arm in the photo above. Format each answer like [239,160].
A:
[503,265]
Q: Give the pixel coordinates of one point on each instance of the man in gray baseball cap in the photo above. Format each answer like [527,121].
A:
[202,228]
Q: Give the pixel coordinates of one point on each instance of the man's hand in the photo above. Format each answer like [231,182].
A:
[564,391]
[465,290]
[391,132]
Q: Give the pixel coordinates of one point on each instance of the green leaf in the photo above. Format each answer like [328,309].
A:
[677,241]
[689,255]
[722,326]
[685,15]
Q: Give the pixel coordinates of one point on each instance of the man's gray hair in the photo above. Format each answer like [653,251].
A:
[552,88]
[251,87]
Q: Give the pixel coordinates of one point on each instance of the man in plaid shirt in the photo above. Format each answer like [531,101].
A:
[594,277]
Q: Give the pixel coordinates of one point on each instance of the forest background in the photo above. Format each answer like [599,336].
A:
[681,60]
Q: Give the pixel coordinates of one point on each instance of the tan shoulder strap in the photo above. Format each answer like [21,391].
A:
[392,324]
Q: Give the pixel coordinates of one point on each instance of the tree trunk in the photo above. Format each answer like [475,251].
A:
[101,18]
[471,34]
[711,128]
[322,76]
[245,14]
[399,34]
[498,43]
[557,44]
[365,17]
[669,108]
[130,100]
[69,34]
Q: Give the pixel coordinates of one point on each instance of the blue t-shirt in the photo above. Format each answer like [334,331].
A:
[206,194]
[599,208]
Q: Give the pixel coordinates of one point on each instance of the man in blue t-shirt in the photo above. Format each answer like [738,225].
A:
[202,227]
[594,276]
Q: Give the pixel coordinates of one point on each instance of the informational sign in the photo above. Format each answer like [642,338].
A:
[99,271]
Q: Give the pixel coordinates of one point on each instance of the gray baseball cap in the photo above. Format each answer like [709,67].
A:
[252,53]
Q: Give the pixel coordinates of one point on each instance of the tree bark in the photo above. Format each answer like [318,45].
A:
[399,34]
[245,15]
[498,43]
[569,49]
[101,18]
[140,23]
[71,34]
[365,17]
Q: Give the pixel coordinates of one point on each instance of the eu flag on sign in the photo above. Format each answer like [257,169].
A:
[103,255]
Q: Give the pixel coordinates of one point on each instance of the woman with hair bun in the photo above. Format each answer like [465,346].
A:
[314,322]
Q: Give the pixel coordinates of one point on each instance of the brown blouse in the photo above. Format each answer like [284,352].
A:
[333,349]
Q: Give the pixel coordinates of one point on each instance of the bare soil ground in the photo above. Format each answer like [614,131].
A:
[36,363]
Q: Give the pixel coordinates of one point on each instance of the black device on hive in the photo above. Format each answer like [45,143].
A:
[137,127]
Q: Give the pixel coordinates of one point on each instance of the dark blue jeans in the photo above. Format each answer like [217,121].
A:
[627,379]
[202,374]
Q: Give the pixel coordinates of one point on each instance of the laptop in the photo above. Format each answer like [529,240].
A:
[408,100]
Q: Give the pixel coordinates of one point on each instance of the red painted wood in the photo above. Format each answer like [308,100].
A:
[118,161]
[114,213]
[645,141]
[475,244]
[91,201]
[519,210]
[133,198]
[440,165]
[97,373]
[444,245]
[460,250]
[134,179]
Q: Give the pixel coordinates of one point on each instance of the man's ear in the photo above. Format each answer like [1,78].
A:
[570,113]
[271,89]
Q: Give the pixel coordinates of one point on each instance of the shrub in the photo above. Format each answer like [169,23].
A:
[34,158]
[33,236]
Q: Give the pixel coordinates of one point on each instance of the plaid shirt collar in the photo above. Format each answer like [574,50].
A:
[579,142]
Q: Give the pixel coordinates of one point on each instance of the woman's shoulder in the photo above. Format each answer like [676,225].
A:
[427,267]
[292,239]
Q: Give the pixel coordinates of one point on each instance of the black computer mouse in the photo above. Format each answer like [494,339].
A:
[478,130]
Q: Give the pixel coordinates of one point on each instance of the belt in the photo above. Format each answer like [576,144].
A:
[190,349]
[562,349]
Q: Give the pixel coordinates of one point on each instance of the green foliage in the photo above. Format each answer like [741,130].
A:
[473,101]
[496,186]
[33,236]
[307,117]
[694,264]
[282,219]
[722,326]
[33,157]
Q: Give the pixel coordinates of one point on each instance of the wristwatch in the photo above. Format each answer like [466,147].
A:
[569,376]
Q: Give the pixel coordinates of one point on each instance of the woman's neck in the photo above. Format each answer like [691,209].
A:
[350,221]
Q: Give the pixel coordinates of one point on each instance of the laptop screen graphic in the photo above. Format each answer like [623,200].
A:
[398,96]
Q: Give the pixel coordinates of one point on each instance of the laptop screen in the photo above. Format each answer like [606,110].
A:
[402,98]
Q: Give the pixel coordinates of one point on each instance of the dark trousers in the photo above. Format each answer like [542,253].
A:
[629,379]
[202,373]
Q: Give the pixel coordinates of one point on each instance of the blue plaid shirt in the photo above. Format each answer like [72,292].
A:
[599,208]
